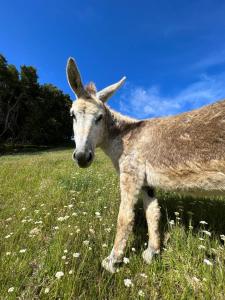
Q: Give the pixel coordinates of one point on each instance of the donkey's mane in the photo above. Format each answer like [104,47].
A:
[118,123]
[91,88]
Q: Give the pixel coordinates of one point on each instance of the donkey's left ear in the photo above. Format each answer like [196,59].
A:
[107,92]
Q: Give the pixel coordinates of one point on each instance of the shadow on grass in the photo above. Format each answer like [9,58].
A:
[191,211]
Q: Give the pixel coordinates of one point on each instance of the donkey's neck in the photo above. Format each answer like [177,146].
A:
[117,128]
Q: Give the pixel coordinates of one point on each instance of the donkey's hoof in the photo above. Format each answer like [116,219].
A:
[148,255]
[109,265]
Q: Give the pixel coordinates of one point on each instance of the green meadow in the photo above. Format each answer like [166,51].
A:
[58,222]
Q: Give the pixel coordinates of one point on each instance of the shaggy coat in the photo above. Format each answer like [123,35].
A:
[183,153]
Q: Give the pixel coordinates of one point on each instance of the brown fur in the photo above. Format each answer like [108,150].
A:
[184,153]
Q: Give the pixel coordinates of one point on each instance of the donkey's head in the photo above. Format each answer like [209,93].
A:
[88,113]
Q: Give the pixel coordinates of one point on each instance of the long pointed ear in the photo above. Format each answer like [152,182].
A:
[74,78]
[107,92]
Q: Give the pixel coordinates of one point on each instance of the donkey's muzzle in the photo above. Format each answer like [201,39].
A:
[83,159]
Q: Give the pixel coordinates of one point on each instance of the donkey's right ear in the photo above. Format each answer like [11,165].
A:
[74,78]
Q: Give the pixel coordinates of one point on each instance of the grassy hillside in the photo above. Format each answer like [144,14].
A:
[56,217]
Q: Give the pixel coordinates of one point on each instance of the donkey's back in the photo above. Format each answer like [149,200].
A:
[187,152]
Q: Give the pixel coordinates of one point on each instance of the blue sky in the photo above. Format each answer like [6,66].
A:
[172,52]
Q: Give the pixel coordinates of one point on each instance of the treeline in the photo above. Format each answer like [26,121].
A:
[31,113]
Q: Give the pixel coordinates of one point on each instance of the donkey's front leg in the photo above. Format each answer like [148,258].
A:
[129,195]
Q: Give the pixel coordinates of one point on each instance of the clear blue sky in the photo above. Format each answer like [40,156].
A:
[172,52]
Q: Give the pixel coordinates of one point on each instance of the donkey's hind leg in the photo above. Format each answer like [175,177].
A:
[152,212]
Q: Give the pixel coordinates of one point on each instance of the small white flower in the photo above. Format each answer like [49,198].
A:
[76,254]
[222,236]
[201,247]
[9,219]
[84,213]
[60,219]
[56,227]
[7,236]
[201,239]
[35,231]
[70,205]
[203,222]
[141,293]
[23,250]
[191,227]
[206,232]
[23,208]
[71,272]
[176,213]
[133,249]
[171,222]
[59,274]
[65,251]
[86,243]
[46,291]
[128,282]
[64,257]
[206,261]
[104,245]
[78,230]
[11,289]
[143,275]
[97,213]
[126,260]
[74,214]
[8,253]
[195,279]
[91,230]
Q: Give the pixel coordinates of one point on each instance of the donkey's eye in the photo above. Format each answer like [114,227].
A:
[98,119]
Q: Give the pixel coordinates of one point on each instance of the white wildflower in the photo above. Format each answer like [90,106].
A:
[70,206]
[59,274]
[141,293]
[104,245]
[74,214]
[128,282]
[60,219]
[11,289]
[176,213]
[171,222]
[143,275]
[206,232]
[203,222]
[86,243]
[201,247]
[8,253]
[126,260]
[64,257]
[91,230]
[76,254]
[46,291]
[206,261]
[23,250]
[222,236]
[65,251]
[97,213]
[71,272]
[133,249]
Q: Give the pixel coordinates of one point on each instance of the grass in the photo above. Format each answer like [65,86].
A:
[49,208]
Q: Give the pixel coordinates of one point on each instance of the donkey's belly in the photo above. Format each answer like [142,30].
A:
[199,180]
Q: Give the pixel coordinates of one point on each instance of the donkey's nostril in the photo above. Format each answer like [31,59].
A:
[74,155]
[89,157]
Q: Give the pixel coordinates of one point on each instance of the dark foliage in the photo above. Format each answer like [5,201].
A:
[31,113]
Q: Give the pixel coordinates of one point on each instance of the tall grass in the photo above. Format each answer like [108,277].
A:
[58,218]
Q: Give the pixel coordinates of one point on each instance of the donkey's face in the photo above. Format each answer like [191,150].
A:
[88,113]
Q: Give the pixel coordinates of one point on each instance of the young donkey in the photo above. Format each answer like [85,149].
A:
[184,153]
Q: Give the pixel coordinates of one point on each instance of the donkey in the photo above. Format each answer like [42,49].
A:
[183,153]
